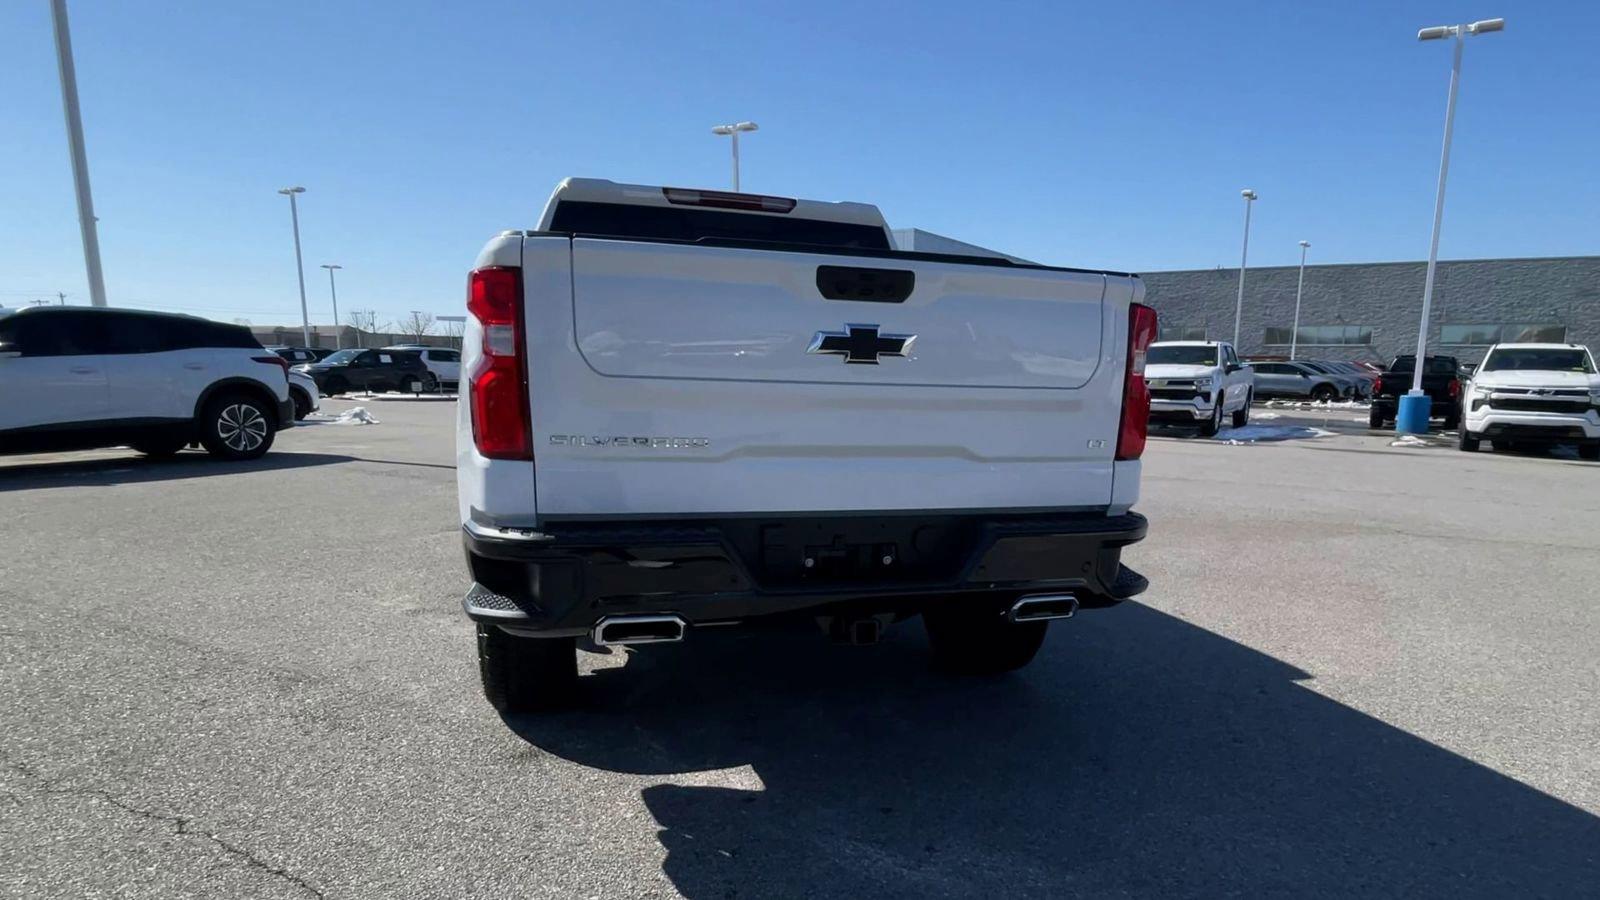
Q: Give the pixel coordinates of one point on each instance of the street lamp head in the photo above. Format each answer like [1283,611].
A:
[1483,26]
[292,190]
[1248,194]
[751,126]
[722,129]
[1305,245]
[1436,32]
[332,266]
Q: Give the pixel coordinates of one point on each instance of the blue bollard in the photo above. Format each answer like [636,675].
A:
[1412,416]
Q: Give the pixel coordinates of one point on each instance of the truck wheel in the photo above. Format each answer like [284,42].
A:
[1375,418]
[1211,426]
[978,640]
[1467,441]
[302,404]
[522,674]
[236,427]
[1324,393]
[1590,452]
[1241,416]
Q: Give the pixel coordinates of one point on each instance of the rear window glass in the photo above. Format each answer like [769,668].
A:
[1574,360]
[660,223]
[1437,365]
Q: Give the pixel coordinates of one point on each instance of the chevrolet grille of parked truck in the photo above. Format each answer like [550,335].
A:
[1534,395]
[685,408]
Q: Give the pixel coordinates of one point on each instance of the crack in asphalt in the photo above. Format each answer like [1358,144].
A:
[181,825]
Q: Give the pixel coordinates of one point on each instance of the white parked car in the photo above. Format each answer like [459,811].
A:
[303,391]
[1198,383]
[688,408]
[75,378]
[443,362]
[1533,395]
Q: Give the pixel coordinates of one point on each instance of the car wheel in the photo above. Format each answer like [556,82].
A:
[161,448]
[979,640]
[1211,426]
[1467,440]
[236,426]
[521,674]
[302,404]
[336,386]
[1241,416]
[1590,452]
[1375,418]
[1324,393]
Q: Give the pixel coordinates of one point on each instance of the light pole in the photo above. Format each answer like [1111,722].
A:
[338,342]
[1244,256]
[80,158]
[733,131]
[1412,415]
[1294,336]
[299,267]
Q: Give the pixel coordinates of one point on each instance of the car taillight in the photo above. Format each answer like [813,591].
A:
[1455,389]
[499,382]
[1135,395]
[1377,386]
[276,360]
[726,200]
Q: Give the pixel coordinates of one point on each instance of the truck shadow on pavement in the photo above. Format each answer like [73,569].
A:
[133,468]
[1139,755]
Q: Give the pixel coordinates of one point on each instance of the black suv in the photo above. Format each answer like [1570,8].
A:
[371,370]
[1441,381]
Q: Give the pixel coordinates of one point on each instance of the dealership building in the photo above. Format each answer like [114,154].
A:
[1369,311]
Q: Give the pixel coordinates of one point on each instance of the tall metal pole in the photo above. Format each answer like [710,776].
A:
[1244,257]
[299,267]
[1438,212]
[1294,336]
[80,158]
[736,161]
[338,333]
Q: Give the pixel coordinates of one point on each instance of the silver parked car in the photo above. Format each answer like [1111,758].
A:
[1298,380]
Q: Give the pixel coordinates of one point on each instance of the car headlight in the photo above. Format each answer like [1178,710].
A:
[1202,383]
[1481,393]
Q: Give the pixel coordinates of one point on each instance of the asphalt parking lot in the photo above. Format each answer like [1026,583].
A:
[1361,669]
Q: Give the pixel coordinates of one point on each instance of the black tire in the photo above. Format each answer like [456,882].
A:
[1211,426]
[1375,418]
[237,427]
[1591,452]
[1241,418]
[335,385]
[521,674]
[978,640]
[302,403]
[1467,440]
[1324,393]
[157,448]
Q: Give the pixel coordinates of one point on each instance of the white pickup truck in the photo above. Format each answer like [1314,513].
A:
[1533,395]
[685,408]
[1198,383]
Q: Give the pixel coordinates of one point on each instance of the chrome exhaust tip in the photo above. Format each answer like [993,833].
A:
[1043,607]
[622,630]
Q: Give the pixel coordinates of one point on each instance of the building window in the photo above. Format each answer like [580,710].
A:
[1183,333]
[1516,333]
[1322,335]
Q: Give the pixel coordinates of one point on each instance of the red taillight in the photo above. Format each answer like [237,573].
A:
[275,360]
[1135,396]
[1455,389]
[725,200]
[498,391]
[1377,386]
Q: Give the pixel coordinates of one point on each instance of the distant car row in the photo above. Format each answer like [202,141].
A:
[1520,395]
[402,367]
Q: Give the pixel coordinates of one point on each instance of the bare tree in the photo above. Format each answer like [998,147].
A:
[366,324]
[453,331]
[416,325]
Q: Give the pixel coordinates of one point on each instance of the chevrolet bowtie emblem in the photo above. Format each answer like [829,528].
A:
[861,344]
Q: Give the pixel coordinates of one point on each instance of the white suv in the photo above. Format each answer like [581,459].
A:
[73,378]
[1534,394]
[443,362]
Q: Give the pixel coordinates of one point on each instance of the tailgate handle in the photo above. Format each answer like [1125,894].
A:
[865,285]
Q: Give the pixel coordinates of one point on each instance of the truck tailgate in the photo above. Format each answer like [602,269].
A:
[678,379]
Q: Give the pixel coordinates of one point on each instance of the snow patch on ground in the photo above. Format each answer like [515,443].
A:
[1411,440]
[355,415]
[1266,415]
[1307,404]
[1254,434]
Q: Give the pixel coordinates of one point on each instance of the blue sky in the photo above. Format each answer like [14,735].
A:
[1113,135]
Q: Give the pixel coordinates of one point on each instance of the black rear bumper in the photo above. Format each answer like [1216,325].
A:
[569,575]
